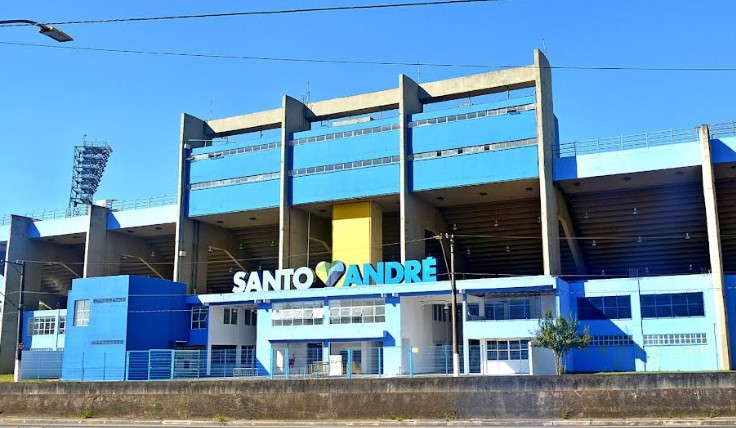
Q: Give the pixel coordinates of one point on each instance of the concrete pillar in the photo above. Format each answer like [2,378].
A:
[207,240]
[96,245]
[410,228]
[192,135]
[568,226]
[293,120]
[298,237]
[714,247]
[545,141]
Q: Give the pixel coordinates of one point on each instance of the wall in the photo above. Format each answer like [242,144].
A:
[220,333]
[529,397]
[51,342]
[638,356]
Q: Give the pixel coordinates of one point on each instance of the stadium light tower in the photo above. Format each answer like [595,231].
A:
[90,160]
[46,30]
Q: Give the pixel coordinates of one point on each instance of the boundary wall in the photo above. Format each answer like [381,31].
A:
[530,397]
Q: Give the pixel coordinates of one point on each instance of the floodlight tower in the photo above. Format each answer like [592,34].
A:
[90,160]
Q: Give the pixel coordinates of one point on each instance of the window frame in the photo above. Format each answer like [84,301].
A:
[202,315]
[81,321]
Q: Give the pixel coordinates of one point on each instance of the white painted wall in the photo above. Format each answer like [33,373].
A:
[542,361]
[226,334]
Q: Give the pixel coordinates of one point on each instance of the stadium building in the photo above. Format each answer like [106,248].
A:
[316,238]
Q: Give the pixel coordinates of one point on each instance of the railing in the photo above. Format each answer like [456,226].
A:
[626,142]
[723,130]
[295,362]
[112,204]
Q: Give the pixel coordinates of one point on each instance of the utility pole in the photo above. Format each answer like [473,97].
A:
[19,346]
[19,308]
[453,287]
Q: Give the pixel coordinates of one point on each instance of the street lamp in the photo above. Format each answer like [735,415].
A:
[453,290]
[19,308]
[46,30]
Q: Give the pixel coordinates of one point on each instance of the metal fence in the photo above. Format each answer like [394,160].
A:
[112,204]
[284,363]
[643,140]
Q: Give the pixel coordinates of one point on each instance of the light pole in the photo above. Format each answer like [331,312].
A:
[46,30]
[19,308]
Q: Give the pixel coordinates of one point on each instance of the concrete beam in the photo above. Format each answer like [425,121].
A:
[293,117]
[252,122]
[545,141]
[714,249]
[371,102]
[185,259]
[568,226]
[479,84]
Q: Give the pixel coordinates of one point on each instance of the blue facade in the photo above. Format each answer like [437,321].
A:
[109,316]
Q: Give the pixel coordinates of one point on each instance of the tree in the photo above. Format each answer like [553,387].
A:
[560,334]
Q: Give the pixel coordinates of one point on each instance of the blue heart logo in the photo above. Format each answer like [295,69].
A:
[330,273]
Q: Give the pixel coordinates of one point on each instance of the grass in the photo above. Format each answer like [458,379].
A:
[6,377]
[86,414]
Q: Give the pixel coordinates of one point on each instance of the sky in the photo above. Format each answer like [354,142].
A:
[51,98]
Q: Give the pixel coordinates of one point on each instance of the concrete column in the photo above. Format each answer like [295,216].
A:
[568,226]
[217,239]
[96,245]
[410,228]
[298,239]
[545,140]
[714,247]
[191,135]
[293,120]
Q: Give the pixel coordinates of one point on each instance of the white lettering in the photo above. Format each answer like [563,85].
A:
[308,275]
[239,280]
[270,281]
[254,283]
[285,278]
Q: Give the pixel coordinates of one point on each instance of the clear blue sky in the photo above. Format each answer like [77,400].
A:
[50,98]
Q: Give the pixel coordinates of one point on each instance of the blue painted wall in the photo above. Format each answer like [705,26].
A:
[234,145]
[53,342]
[638,356]
[626,161]
[476,168]
[471,132]
[240,197]
[356,183]
[372,146]
[145,313]
[232,166]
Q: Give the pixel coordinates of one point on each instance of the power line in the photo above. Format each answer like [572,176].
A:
[370,62]
[263,12]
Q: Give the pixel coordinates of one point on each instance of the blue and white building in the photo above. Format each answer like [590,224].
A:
[304,240]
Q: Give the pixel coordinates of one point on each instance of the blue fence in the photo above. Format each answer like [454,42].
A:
[286,362]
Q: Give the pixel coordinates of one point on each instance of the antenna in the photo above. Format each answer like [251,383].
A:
[544,46]
[419,71]
[90,160]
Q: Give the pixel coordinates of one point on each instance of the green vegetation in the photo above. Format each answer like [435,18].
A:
[711,413]
[6,377]
[221,419]
[565,413]
[397,418]
[86,414]
[561,335]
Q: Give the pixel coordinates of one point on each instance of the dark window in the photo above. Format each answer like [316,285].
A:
[672,305]
[604,308]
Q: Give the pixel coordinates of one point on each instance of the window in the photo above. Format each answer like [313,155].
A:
[672,305]
[62,324]
[81,313]
[357,311]
[440,313]
[199,317]
[612,340]
[604,308]
[513,308]
[250,316]
[38,326]
[297,313]
[676,339]
[508,350]
[231,316]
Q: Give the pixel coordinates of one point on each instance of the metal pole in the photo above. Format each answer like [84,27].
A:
[19,345]
[455,353]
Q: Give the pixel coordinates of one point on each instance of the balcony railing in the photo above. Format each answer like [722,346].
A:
[644,140]
[112,204]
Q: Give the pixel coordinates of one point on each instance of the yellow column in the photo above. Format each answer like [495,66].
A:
[357,233]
